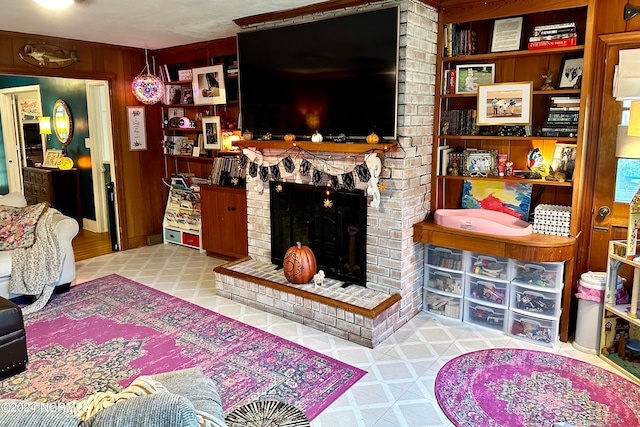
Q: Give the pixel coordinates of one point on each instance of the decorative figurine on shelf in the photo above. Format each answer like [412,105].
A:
[548,78]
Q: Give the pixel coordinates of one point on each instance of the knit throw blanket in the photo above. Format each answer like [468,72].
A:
[35,270]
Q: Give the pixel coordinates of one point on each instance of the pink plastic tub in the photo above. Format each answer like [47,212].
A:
[482,221]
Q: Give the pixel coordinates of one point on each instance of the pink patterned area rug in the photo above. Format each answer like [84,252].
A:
[111,330]
[512,388]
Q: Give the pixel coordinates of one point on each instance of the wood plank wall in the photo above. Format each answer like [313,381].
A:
[140,191]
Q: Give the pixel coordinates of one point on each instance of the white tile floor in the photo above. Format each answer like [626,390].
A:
[398,388]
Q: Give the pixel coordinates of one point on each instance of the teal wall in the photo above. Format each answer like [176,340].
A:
[73,92]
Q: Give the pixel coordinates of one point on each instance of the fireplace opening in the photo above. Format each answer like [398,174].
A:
[332,223]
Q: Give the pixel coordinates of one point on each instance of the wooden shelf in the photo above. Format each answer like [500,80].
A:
[535,92]
[333,147]
[514,54]
[509,138]
[507,179]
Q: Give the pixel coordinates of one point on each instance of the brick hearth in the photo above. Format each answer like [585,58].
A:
[354,313]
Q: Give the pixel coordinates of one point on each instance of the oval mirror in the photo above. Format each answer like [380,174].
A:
[62,122]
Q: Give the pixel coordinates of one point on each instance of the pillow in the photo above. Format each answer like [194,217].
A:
[18,225]
[21,413]
[14,199]
[159,409]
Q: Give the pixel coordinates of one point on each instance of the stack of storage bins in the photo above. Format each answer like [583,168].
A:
[444,281]
[536,301]
[487,291]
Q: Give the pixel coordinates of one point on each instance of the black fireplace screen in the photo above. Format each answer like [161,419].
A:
[332,223]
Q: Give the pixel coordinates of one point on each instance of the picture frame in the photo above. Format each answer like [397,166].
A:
[480,163]
[469,76]
[571,73]
[187,96]
[137,129]
[52,158]
[212,133]
[208,85]
[507,34]
[564,159]
[175,112]
[172,94]
[505,104]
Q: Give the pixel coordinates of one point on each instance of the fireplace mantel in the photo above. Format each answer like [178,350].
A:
[332,147]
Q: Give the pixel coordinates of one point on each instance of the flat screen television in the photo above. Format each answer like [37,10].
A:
[336,75]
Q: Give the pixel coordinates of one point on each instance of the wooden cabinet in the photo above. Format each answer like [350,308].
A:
[60,188]
[224,220]
[474,23]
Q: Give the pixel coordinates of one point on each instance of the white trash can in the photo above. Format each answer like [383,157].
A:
[591,289]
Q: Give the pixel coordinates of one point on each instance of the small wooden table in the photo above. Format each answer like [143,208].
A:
[534,247]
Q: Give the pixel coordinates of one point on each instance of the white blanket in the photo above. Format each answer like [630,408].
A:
[35,270]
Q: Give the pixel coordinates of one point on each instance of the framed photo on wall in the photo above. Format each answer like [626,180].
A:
[505,103]
[212,133]
[469,76]
[208,85]
[137,129]
[570,73]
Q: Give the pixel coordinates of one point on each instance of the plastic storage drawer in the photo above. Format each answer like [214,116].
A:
[443,305]
[533,329]
[438,256]
[487,290]
[542,275]
[485,315]
[445,281]
[191,240]
[172,236]
[535,301]
[488,266]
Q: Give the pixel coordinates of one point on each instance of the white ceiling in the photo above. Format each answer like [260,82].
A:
[151,24]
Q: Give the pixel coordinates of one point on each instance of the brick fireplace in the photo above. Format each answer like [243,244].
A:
[394,262]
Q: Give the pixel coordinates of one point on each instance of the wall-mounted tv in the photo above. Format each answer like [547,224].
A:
[336,75]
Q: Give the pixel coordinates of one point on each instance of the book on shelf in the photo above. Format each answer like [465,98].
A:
[549,44]
[171,72]
[458,42]
[226,171]
[458,122]
[449,83]
[551,27]
[560,36]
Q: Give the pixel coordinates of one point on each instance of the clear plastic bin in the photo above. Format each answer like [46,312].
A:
[443,305]
[485,315]
[446,281]
[533,329]
[452,259]
[535,301]
[488,266]
[539,274]
[487,290]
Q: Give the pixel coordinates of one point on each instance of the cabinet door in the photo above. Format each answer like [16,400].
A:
[234,223]
[211,219]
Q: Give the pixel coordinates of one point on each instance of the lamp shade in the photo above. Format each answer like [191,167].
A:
[147,88]
[54,4]
[62,124]
[627,146]
[44,122]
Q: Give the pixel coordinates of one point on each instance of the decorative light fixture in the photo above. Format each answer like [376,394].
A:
[147,87]
[54,4]
[62,124]
[44,122]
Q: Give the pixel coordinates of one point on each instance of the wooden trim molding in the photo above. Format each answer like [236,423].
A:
[311,9]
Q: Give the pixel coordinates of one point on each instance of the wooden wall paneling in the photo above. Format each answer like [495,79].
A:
[466,10]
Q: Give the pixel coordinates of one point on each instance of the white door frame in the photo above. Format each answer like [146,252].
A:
[101,145]
[13,149]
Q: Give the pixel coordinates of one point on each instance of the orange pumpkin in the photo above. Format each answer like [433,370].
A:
[289,137]
[373,138]
[299,264]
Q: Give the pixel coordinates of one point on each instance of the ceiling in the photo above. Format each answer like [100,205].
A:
[151,24]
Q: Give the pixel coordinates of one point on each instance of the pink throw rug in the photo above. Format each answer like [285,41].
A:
[512,388]
[111,330]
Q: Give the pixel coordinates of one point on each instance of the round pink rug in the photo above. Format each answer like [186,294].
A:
[512,388]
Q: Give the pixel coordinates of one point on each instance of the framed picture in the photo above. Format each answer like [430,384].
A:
[208,85]
[564,159]
[469,76]
[507,34]
[480,163]
[175,112]
[137,131]
[187,96]
[52,158]
[212,133]
[505,103]
[172,94]
[571,73]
